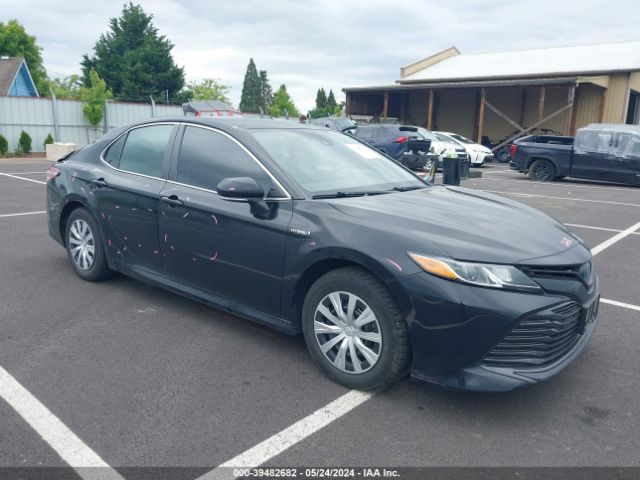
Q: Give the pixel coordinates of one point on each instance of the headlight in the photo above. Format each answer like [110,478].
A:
[482,274]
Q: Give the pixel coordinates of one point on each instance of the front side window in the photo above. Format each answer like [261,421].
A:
[207,157]
[325,162]
[144,150]
[596,141]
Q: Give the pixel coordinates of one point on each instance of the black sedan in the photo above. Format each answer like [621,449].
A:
[309,230]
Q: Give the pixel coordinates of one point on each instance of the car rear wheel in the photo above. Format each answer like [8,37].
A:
[542,171]
[354,330]
[85,247]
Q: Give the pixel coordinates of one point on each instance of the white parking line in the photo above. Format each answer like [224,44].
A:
[561,184]
[288,437]
[620,304]
[22,178]
[564,198]
[4,215]
[24,173]
[77,454]
[615,239]
[590,227]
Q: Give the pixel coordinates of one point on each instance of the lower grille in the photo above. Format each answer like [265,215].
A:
[536,342]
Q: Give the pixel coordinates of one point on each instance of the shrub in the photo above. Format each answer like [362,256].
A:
[48,141]
[4,146]
[24,143]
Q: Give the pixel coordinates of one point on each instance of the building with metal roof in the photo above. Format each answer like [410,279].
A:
[15,79]
[508,94]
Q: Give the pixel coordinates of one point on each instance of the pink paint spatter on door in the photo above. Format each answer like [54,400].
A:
[215,255]
[215,219]
[91,193]
[165,237]
[185,215]
[109,242]
[139,245]
[103,215]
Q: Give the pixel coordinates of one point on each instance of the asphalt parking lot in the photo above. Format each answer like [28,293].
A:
[120,374]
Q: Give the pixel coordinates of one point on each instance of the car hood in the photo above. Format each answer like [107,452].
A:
[468,225]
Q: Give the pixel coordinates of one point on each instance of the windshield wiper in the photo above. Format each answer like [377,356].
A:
[349,194]
[407,189]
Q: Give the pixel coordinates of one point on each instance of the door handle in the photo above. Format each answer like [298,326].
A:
[99,182]
[173,201]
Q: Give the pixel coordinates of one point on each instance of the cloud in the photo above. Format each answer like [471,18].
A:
[328,43]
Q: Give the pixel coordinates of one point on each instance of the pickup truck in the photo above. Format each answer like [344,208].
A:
[604,152]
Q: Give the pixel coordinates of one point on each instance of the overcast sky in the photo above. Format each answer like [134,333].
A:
[329,43]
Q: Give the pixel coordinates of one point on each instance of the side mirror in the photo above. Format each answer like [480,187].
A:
[240,188]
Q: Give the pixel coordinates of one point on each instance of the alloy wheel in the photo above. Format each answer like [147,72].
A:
[82,244]
[348,332]
[542,171]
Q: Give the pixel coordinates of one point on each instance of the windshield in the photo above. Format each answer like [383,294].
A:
[428,135]
[343,123]
[327,162]
[460,138]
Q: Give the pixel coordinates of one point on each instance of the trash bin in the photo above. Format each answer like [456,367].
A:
[463,168]
[451,171]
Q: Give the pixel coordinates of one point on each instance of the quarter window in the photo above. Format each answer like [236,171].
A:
[112,155]
[207,157]
[144,150]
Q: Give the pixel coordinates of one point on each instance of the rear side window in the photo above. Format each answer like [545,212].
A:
[366,133]
[207,157]
[112,155]
[144,150]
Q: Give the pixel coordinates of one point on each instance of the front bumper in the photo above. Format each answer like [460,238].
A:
[454,327]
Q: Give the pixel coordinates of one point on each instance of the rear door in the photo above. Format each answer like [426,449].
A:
[592,155]
[220,246]
[127,195]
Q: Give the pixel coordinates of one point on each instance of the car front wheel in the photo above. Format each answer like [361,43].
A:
[354,330]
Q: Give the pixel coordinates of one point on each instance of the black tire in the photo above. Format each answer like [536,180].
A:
[99,269]
[503,155]
[542,171]
[395,352]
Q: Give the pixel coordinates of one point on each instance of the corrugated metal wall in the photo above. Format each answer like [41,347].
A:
[36,117]
[455,111]
[589,98]
[615,105]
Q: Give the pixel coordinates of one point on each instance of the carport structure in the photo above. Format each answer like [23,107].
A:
[509,94]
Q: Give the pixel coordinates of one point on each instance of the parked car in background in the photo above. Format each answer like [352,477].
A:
[401,142]
[443,148]
[342,124]
[478,154]
[310,231]
[598,152]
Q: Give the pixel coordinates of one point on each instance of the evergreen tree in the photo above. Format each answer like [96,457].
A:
[16,42]
[266,94]
[251,94]
[282,102]
[133,59]
[331,103]
[321,99]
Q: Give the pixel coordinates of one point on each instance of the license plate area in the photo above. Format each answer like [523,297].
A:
[589,314]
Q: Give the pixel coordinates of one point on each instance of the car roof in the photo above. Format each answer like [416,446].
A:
[227,123]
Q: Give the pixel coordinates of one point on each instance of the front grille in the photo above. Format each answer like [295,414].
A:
[583,273]
[537,342]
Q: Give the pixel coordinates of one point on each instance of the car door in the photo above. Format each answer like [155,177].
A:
[126,192]
[220,246]
[592,155]
[625,159]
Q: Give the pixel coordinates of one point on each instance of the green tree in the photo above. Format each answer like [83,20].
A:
[266,94]
[133,59]
[282,102]
[48,140]
[16,42]
[250,99]
[331,102]
[207,89]
[321,99]
[68,87]
[94,98]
